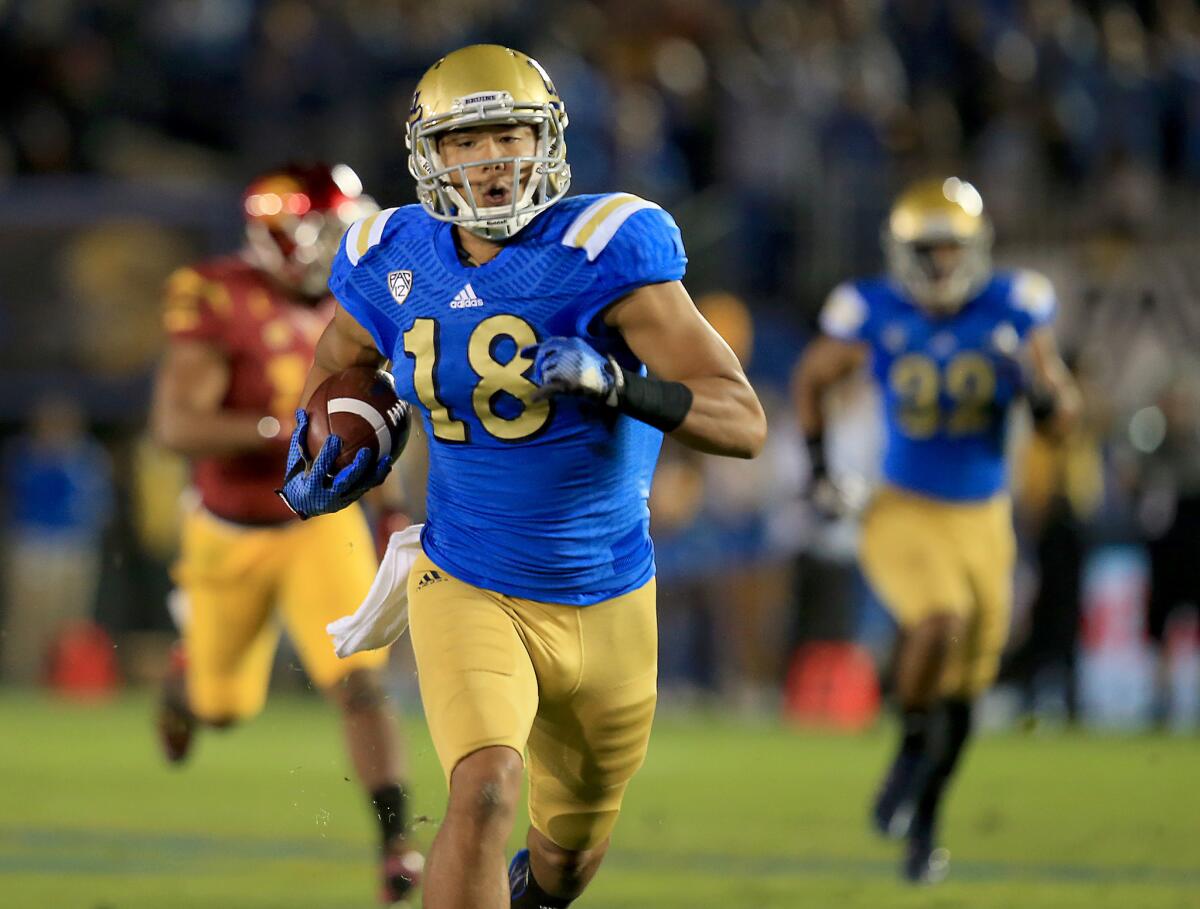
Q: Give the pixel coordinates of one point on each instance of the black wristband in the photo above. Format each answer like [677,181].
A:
[815,443]
[1042,405]
[664,405]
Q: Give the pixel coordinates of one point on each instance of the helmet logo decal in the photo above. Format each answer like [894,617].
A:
[541,71]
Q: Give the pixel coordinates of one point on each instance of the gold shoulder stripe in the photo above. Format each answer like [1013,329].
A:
[365,233]
[609,205]
[600,221]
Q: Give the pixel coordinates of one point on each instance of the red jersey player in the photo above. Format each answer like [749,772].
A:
[241,333]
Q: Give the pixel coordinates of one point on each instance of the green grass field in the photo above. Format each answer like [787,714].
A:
[723,815]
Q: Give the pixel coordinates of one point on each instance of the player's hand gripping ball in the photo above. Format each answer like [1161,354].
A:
[357,427]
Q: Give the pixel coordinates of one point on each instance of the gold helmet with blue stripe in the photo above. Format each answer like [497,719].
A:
[938,243]
[488,85]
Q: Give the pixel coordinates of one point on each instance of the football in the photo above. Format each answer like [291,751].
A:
[360,406]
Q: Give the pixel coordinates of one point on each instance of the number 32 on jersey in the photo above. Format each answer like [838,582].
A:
[968,380]
[495,378]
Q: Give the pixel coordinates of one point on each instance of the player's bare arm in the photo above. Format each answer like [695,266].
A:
[343,344]
[826,361]
[1057,404]
[186,413]
[662,327]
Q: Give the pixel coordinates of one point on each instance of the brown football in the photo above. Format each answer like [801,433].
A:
[360,406]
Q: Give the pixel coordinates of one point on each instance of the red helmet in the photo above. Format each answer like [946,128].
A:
[295,217]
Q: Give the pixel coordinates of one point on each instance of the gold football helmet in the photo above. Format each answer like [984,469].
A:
[939,243]
[483,85]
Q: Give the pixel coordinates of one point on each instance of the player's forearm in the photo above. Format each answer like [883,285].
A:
[196,434]
[826,362]
[808,393]
[316,375]
[340,347]
[725,418]
[809,414]
[1066,407]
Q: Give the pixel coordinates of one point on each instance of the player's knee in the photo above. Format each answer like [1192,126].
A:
[485,786]
[359,691]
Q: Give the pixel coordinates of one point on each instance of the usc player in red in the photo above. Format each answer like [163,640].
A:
[241,333]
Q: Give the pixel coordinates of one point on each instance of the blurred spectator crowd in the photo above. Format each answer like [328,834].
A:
[795,118]
[776,131]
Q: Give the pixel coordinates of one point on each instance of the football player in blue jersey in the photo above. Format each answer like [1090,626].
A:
[548,344]
[952,344]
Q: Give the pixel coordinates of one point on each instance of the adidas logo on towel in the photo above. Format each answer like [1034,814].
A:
[465,299]
[429,577]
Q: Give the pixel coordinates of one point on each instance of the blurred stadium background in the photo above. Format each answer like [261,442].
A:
[777,132]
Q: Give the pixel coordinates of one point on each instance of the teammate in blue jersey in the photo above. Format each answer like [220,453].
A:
[952,345]
[526,327]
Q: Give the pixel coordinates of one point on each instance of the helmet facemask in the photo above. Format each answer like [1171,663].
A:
[938,244]
[299,253]
[295,219]
[538,180]
[940,273]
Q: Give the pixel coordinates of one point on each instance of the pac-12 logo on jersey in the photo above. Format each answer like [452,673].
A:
[399,283]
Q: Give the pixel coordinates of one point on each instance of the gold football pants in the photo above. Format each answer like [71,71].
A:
[926,557]
[237,579]
[573,687]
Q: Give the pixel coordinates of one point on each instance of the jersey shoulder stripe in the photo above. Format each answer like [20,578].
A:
[1033,293]
[845,312]
[366,233]
[597,224]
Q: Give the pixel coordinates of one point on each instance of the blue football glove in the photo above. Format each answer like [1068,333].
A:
[309,489]
[571,366]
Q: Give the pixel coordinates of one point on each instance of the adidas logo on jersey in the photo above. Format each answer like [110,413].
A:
[465,299]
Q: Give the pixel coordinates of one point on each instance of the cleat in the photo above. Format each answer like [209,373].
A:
[401,876]
[175,722]
[892,812]
[518,874]
[925,863]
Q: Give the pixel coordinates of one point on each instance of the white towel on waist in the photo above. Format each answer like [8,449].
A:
[383,615]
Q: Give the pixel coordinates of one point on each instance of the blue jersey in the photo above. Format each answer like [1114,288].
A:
[947,383]
[538,499]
